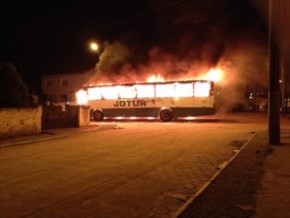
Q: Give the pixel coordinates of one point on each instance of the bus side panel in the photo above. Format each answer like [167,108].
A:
[181,107]
[131,112]
[122,103]
[153,112]
[201,102]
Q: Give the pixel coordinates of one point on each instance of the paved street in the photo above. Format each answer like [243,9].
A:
[132,169]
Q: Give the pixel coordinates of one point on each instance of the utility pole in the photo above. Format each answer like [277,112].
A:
[274,92]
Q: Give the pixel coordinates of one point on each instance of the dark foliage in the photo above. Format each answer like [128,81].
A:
[13,91]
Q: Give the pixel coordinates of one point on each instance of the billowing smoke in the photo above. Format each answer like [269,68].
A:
[113,58]
[184,39]
[245,68]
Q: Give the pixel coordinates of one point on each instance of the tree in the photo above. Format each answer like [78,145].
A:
[13,90]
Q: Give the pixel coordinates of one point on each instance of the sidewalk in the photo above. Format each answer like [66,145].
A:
[256,184]
[273,198]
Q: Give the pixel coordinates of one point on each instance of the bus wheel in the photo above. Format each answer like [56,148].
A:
[98,115]
[166,114]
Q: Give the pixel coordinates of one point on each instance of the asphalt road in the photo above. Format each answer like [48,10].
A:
[131,169]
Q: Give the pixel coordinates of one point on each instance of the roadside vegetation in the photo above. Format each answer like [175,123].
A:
[13,90]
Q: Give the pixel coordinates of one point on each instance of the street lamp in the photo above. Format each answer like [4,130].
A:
[94,47]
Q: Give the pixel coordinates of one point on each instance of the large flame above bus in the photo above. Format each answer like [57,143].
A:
[155,78]
[214,74]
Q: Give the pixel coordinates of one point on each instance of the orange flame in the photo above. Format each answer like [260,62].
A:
[215,75]
[155,78]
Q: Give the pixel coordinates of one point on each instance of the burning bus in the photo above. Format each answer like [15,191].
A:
[166,100]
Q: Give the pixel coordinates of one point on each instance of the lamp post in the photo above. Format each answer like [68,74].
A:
[274,86]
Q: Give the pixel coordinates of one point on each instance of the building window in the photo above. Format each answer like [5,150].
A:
[48,83]
[64,82]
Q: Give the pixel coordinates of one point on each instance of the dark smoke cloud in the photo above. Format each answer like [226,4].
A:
[112,59]
[182,39]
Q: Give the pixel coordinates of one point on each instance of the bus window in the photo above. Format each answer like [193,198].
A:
[201,89]
[165,90]
[126,91]
[145,91]
[82,97]
[109,92]
[184,89]
[94,93]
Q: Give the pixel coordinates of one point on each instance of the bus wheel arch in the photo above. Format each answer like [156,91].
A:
[165,114]
[98,115]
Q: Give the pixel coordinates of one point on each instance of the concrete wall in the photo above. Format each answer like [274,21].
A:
[16,122]
[64,116]
[84,115]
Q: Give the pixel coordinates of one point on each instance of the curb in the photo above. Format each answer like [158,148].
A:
[204,187]
[29,141]
[51,135]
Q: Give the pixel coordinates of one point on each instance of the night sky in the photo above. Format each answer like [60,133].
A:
[52,36]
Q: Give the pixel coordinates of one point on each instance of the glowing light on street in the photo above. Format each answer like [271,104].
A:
[190,118]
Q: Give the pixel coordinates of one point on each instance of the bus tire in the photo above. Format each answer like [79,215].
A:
[166,115]
[98,115]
